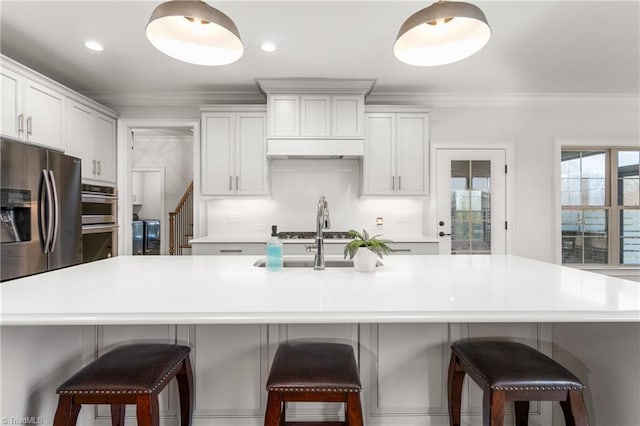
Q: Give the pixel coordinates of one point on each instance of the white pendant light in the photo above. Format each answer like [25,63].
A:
[442,33]
[194,32]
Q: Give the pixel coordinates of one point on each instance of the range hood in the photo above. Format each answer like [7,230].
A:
[315,148]
[315,117]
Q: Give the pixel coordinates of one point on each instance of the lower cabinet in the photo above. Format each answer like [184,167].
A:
[403,369]
[228,249]
[300,248]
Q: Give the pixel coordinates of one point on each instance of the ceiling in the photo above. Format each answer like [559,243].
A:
[537,47]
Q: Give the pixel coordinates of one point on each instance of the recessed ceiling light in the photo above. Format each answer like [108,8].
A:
[267,46]
[93,45]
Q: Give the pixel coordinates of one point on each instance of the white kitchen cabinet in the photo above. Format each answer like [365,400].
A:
[32,112]
[396,158]
[314,116]
[137,187]
[284,115]
[414,248]
[233,156]
[92,138]
[347,116]
[228,249]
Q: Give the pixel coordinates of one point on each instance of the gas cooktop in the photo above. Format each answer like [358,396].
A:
[310,235]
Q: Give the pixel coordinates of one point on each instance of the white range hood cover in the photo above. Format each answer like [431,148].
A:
[315,148]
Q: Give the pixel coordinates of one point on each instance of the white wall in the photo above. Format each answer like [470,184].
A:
[533,130]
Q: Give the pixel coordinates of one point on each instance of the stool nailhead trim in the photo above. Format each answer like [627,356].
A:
[125,392]
[279,389]
[538,388]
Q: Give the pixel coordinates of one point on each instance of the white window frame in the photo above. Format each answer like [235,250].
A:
[583,143]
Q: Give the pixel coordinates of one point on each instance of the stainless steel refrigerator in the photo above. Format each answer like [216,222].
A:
[40,211]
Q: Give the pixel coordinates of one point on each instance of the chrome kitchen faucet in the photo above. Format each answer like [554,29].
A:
[323,223]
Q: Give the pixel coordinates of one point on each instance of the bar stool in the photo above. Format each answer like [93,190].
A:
[313,372]
[509,371]
[130,374]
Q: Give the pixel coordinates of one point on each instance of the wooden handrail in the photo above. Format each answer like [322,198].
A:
[180,221]
[184,198]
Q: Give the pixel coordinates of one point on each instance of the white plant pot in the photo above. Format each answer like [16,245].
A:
[365,260]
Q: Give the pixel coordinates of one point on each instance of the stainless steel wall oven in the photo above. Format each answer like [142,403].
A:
[99,222]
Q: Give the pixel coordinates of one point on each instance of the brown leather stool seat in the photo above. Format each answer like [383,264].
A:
[316,372]
[510,371]
[131,374]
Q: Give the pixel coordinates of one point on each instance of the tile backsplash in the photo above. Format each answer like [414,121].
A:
[296,186]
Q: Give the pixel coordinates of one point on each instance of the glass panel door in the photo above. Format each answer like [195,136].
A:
[470,207]
[471,191]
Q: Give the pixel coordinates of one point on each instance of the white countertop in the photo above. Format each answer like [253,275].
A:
[228,289]
[212,239]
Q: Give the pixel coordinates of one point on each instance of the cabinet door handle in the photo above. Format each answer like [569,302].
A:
[29,121]
[99,168]
[93,170]
[230,183]
[402,250]
[230,250]
[237,187]
[393,182]
[399,183]
[21,123]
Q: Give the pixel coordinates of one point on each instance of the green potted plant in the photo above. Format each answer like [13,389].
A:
[365,250]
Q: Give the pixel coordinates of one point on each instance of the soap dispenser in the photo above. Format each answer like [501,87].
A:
[274,251]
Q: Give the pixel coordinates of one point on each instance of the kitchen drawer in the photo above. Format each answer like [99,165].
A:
[229,249]
[414,248]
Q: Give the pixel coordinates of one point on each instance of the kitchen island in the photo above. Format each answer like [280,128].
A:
[400,319]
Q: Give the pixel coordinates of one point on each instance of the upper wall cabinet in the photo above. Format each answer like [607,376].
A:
[233,155]
[32,112]
[396,160]
[313,116]
[92,137]
[312,108]
[38,110]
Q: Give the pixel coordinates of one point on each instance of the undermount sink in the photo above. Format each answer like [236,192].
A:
[308,263]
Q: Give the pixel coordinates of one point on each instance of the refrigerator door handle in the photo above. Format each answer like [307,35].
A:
[56,212]
[41,213]
[48,220]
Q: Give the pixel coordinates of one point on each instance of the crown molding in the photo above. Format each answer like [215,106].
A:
[504,100]
[193,99]
[423,99]
[315,85]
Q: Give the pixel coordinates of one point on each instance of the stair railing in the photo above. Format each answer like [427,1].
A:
[181,223]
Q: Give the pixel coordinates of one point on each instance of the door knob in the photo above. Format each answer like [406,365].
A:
[442,234]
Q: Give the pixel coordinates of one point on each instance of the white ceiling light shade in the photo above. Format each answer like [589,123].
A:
[194,32]
[442,33]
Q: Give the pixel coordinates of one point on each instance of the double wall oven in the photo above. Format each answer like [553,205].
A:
[99,222]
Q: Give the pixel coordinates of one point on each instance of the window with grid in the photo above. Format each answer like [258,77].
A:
[600,196]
